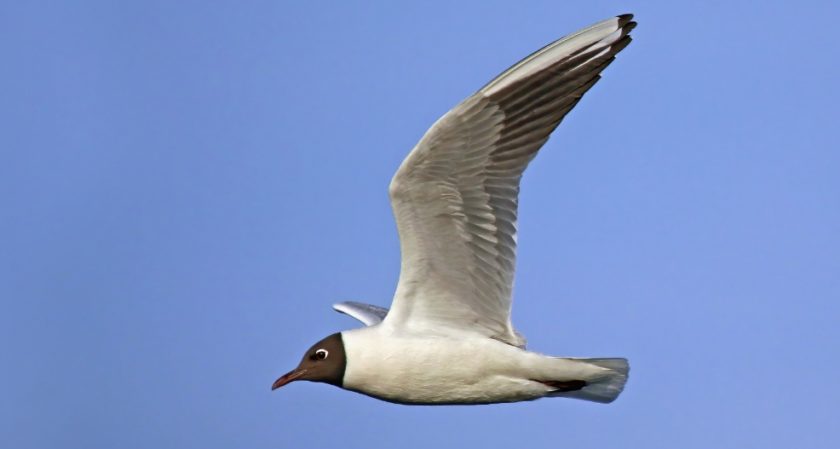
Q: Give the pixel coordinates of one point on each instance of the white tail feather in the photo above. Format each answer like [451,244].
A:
[606,385]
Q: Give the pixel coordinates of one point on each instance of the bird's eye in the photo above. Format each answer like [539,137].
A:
[321,354]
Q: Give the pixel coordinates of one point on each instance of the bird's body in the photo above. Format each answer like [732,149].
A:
[405,367]
[448,337]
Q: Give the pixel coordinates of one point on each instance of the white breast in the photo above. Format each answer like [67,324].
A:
[429,369]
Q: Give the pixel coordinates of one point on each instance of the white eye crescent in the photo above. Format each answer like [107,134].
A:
[321,354]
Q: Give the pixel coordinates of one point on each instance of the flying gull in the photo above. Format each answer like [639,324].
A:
[448,338]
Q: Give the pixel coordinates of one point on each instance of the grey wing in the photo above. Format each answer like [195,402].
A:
[455,196]
[366,313]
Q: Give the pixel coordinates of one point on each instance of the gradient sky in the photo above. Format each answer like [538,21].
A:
[188,186]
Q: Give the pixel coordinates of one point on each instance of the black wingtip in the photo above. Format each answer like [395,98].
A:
[623,19]
[626,24]
[621,44]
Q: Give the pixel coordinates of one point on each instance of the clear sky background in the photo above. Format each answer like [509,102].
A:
[188,186]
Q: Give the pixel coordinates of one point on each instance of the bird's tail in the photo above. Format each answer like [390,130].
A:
[604,385]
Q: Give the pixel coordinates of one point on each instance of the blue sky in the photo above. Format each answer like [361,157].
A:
[188,186]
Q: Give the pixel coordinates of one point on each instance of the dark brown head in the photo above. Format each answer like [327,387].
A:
[325,362]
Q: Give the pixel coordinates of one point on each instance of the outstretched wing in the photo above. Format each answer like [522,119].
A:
[366,313]
[455,196]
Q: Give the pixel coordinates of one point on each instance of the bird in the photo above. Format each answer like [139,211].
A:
[448,337]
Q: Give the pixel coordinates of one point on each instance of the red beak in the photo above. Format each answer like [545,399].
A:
[291,376]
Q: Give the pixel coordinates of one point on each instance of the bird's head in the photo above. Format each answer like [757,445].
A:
[324,362]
